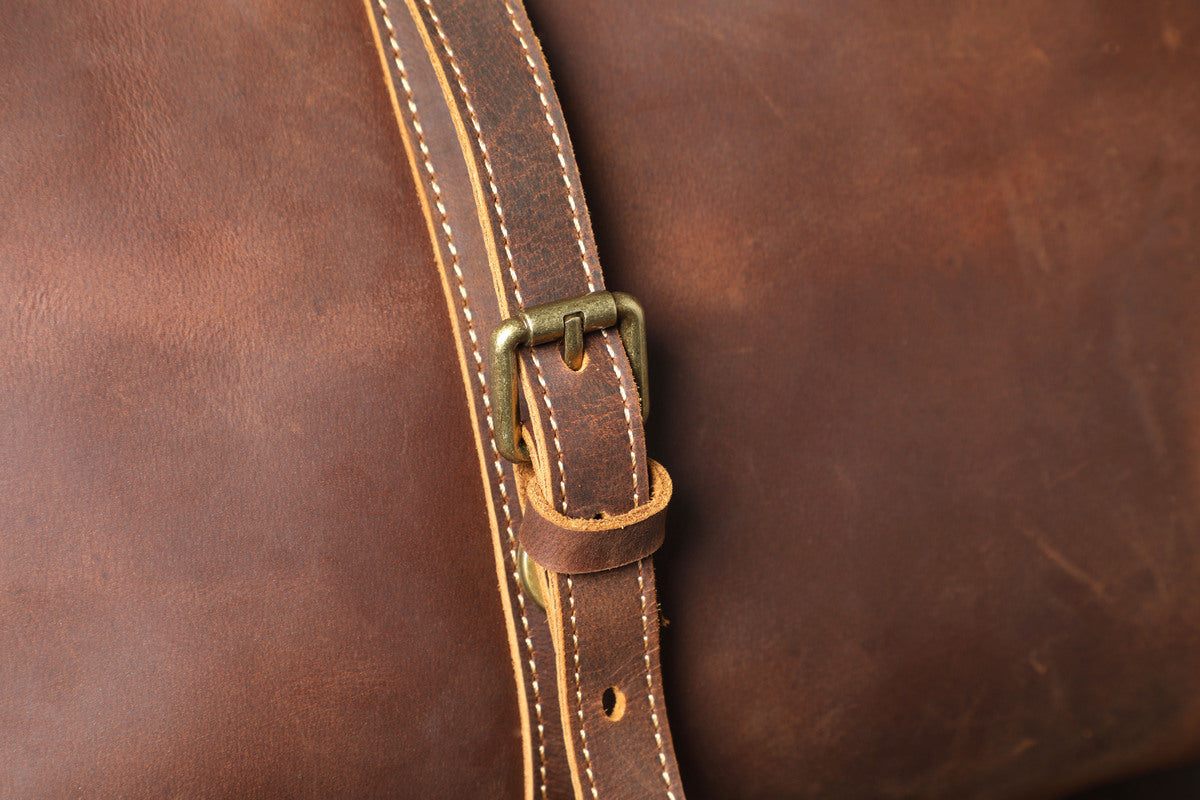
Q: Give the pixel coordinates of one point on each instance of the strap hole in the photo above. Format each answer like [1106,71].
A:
[613,703]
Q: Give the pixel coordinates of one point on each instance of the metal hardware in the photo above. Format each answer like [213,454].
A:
[568,320]
[527,572]
[573,341]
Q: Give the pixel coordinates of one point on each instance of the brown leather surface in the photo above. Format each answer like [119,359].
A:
[606,629]
[936,517]
[923,285]
[243,550]
[502,197]
[410,50]
[569,545]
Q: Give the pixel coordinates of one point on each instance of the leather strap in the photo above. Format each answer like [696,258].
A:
[490,154]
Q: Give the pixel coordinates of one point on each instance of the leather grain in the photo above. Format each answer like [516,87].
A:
[921,284]
[490,153]
[235,512]
[929,389]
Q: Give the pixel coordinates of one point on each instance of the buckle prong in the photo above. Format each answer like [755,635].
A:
[573,341]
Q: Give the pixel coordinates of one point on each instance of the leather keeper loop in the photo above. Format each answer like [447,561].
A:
[571,546]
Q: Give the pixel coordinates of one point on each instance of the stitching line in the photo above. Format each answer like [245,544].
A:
[495,192]
[587,269]
[587,757]
[487,162]
[629,428]
[501,480]
[662,755]
[562,474]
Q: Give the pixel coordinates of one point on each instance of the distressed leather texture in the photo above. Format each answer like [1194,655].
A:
[921,284]
[489,150]
[569,545]
[243,550]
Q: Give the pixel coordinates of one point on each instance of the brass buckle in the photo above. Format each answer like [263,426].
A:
[567,320]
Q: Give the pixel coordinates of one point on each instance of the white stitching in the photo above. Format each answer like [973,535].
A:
[487,163]
[562,163]
[562,473]
[587,757]
[662,755]
[501,480]
[495,192]
[612,357]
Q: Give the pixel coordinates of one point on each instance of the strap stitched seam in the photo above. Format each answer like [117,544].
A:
[587,757]
[562,473]
[562,163]
[662,755]
[487,163]
[495,192]
[629,429]
[501,480]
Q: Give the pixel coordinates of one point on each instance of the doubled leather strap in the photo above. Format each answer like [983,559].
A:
[490,155]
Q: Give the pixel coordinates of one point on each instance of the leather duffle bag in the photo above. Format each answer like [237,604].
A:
[327,467]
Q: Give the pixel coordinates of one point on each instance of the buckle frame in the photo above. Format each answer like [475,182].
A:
[567,320]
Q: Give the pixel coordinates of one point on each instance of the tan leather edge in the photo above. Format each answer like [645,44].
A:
[595,475]
[503,573]
[482,210]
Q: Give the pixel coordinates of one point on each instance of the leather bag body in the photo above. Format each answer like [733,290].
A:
[921,286]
